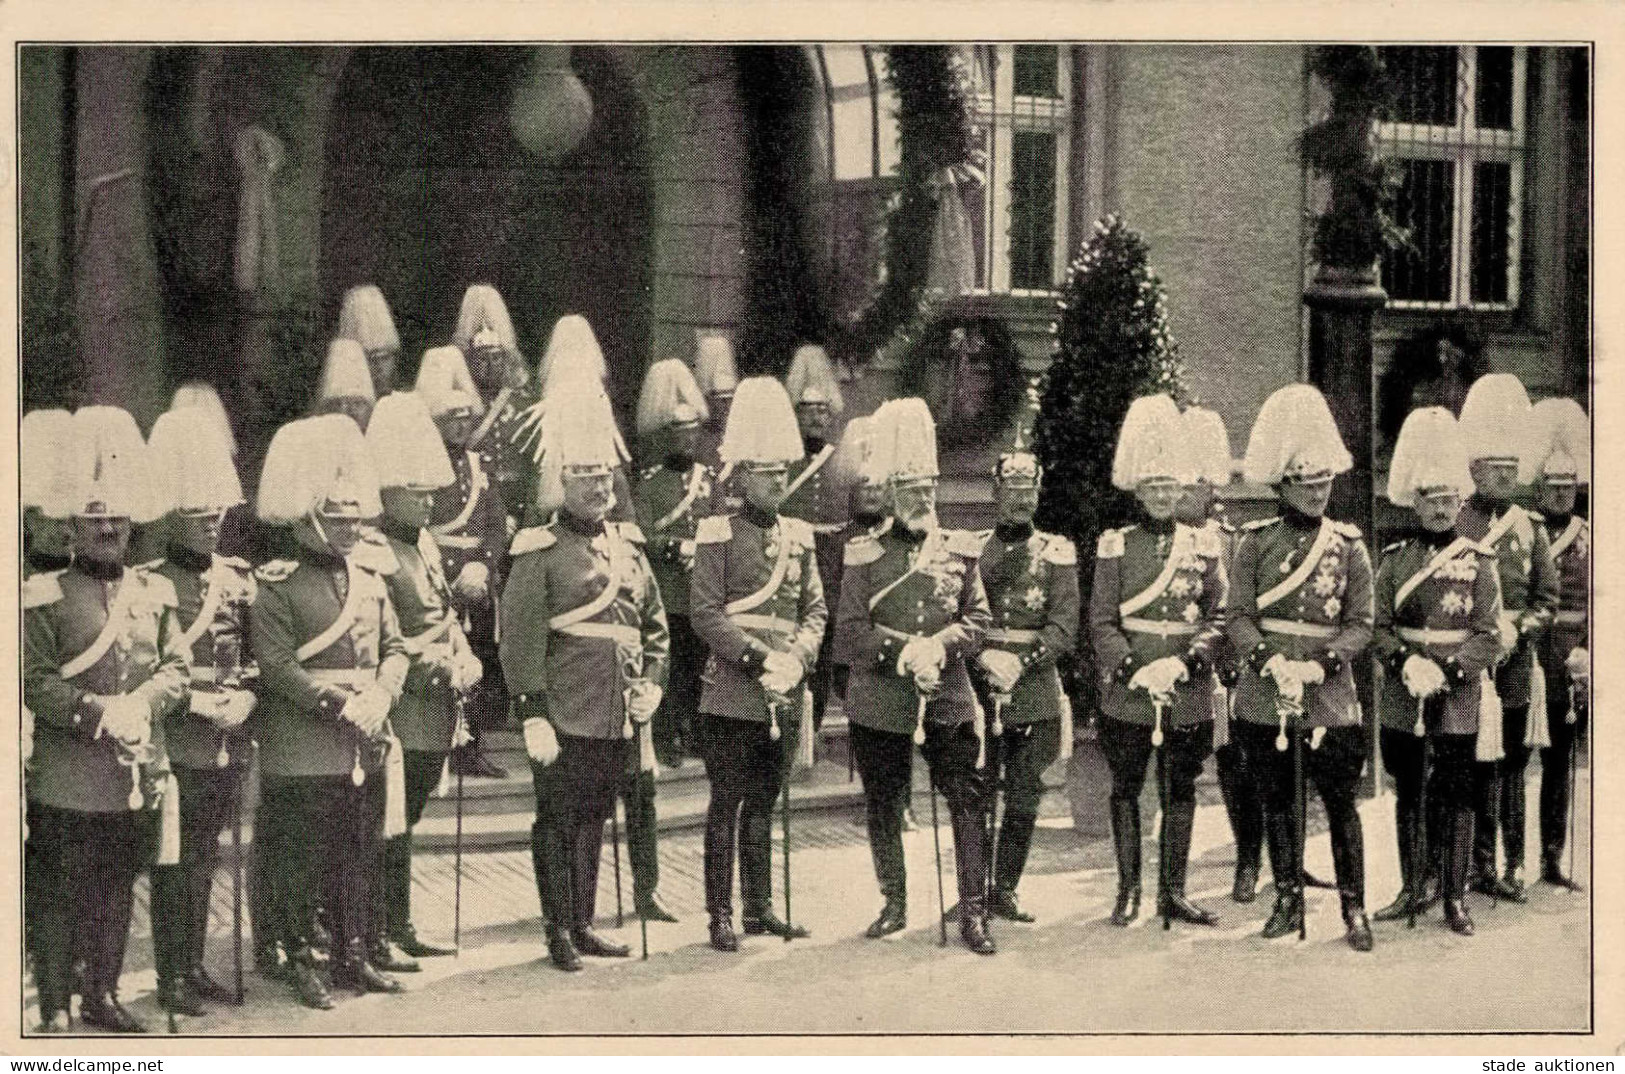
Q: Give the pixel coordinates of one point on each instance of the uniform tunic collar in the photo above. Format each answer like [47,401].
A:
[1557,523]
[679,464]
[1297,520]
[1011,532]
[581,526]
[1435,539]
[189,560]
[1157,527]
[757,517]
[868,520]
[812,445]
[1492,508]
[325,560]
[46,561]
[102,572]
[400,531]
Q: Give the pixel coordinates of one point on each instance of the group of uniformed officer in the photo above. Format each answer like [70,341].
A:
[473,548]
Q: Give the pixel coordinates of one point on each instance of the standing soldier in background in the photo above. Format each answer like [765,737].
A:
[1200,509]
[815,493]
[759,607]
[332,664]
[585,650]
[428,719]
[1438,609]
[1495,429]
[913,615]
[1156,617]
[1032,590]
[469,523]
[1561,462]
[365,318]
[672,495]
[346,384]
[1300,611]
[209,748]
[717,376]
[102,665]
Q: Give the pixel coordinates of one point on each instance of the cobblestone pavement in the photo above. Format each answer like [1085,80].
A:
[1528,968]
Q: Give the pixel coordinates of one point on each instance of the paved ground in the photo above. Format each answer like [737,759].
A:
[1527,969]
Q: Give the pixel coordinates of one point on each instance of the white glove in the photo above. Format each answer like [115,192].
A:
[238,704]
[473,581]
[466,671]
[1168,673]
[1003,669]
[783,668]
[922,657]
[686,551]
[368,710]
[1508,628]
[778,685]
[1578,664]
[541,743]
[1288,678]
[127,719]
[1422,676]
[645,698]
[1309,672]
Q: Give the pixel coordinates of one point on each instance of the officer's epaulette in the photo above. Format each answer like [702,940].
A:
[862,550]
[163,590]
[276,570]
[1535,516]
[984,536]
[1346,529]
[41,590]
[373,553]
[629,531]
[1110,544]
[1059,552]
[964,543]
[798,530]
[1484,548]
[532,539]
[714,529]
[1390,549]
[235,562]
[1206,542]
[1260,523]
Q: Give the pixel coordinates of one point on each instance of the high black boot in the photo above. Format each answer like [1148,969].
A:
[589,848]
[1359,926]
[885,824]
[643,849]
[1551,871]
[723,937]
[971,879]
[1287,916]
[756,878]
[1405,828]
[550,860]
[1458,859]
[1246,814]
[1126,840]
[561,951]
[356,972]
[1015,840]
[1178,819]
[719,862]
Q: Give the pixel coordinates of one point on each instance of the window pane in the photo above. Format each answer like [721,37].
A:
[1421,272]
[1032,210]
[1492,104]
[1492,202]
[1037,70]
[1424,82]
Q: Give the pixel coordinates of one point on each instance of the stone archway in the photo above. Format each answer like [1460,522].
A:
[425,190]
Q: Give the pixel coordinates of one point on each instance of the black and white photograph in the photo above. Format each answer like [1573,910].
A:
[626,537]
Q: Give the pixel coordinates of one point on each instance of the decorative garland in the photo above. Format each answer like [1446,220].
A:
[956,343]
[934,136]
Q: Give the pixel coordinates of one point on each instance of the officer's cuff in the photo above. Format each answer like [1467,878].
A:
[1262,653]
[752,661]
[1396,660]
[1125,671]
[1454,674]
[1330,662]
[1196,663]
[1229,675]
[530,706]
[886,654]
[87,714]
[1036,656]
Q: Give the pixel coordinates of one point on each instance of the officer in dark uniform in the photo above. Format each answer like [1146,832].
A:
[913,615]
[1495,427]
[469,522]
[209,746]
[759,607]
[1032,590]
[717,376]
[585,651]
[1562,462]
[332,664]
[1300,611]
[1156,616]
[428,719]
[1438,607]
[102,665]
[364,317]
[815,493]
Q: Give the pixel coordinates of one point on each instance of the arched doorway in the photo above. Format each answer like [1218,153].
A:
[426,190]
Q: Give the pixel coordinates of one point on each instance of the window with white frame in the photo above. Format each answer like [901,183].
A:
[1021,110]
[1456,134]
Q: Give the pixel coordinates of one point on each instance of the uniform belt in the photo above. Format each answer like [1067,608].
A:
[1163,628]
[461,542]
[357,678]
[1320,631]
[1571,618]
[900,635]
[1424,636]
[1014,636]
[748,621]
[827,528]
[619,633]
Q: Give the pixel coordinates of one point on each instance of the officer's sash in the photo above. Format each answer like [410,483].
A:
[498,404]
[776,579]
[604,599]
[433,566]
[117,613]
[813,467]
[1512,517]
[1182,541]
[348,614]
[690,494]
[928,551]
[1445,555]
[477,482]
[211,604]
[1291,582]
[1566,538]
